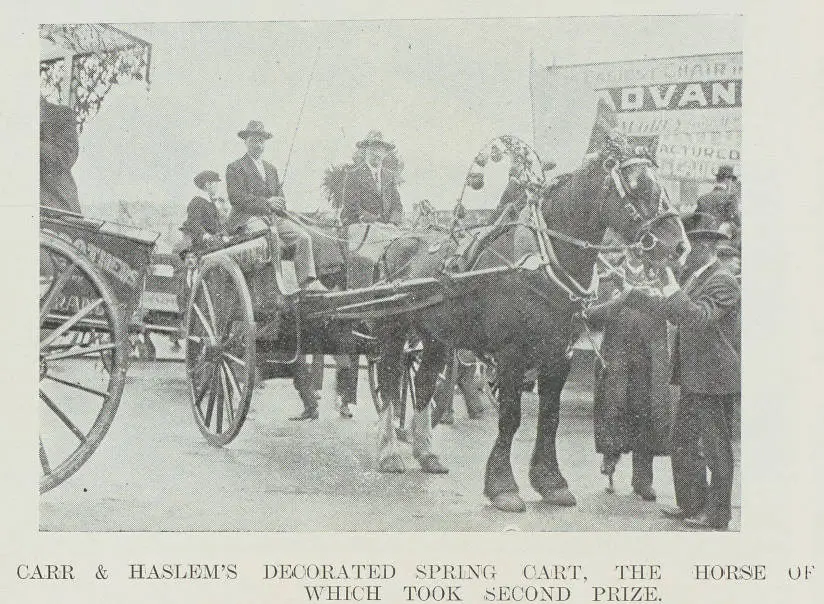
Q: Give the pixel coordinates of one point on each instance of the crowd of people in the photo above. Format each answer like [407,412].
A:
[662,332]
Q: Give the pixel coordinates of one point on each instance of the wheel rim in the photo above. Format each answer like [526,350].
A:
[220,350]
[82,360]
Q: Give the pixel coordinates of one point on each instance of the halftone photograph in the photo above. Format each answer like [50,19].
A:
[391,275]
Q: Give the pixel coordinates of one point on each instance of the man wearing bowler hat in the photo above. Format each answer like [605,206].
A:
[705,306]
[254,191]
[722,201]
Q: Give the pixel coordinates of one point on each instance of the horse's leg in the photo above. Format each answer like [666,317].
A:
[499,484]
[389,376]
[432,361]
[544,474]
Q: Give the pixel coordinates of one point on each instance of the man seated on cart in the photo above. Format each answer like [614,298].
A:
[255,192]
[58,151]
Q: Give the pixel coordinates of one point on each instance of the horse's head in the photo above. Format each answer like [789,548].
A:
[636,206]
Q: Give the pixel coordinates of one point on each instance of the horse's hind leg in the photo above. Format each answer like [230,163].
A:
[432,361]
[544,473]
[389,375]
[499,484]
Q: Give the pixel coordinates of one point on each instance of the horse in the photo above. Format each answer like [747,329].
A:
[522,318]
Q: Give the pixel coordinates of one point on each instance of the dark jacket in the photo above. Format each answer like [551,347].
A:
[632,408]
[248,192]
[707,354]
[362,200]
[58,152]
[202,217]
[721,203]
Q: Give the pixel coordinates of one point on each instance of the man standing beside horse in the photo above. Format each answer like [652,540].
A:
[370,195]
[705,305]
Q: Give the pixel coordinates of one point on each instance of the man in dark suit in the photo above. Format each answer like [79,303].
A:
[254,191]
[58,152]
[722,201]
[370,189]
[706,308]
[370,194]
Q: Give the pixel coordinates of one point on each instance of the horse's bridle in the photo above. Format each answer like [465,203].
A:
[643,236]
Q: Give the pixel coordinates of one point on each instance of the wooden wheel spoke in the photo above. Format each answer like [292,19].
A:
[80,352]
[227,397]
[209,331]
[74,320]
[48,300]
[210,308]
[205,388]
[234,359]
[88,389]
[44,459]
[63,417]
[210,406]
[220,399]
[230,375]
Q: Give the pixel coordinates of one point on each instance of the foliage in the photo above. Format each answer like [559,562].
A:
[335,175]
[101,55]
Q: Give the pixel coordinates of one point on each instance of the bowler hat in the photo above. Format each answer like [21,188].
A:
[375,139]
[254,128]
[206,176]
[701,225]
[725,171]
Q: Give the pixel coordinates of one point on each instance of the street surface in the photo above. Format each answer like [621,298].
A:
[155,472]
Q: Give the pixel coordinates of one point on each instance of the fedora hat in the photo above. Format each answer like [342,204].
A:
[374,139]
[254,128]
[725,171]
[206,176]
[701,225]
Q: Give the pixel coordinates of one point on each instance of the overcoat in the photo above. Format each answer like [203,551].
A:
[202,217]
[707,353]
[58,152]
[248,192]
[632,407]
[721,203]
[362,198]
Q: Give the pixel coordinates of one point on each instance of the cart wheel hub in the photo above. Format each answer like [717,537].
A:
[213,353]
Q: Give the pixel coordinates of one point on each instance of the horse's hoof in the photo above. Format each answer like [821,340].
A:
[509,502]
[561,496]
[432,465]
[392,464]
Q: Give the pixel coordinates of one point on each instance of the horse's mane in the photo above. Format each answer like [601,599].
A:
[574,198]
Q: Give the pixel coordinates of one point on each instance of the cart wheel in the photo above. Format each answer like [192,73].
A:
[220,349]
[81,378]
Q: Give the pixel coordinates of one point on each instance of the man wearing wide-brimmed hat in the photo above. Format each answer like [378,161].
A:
[705,305]
[370,190]
[255,191]
[370,194]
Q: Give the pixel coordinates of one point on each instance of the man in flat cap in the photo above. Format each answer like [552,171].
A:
[705,306]
[254,191]
[58,151]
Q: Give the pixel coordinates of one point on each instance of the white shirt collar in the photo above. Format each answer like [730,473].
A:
[259,165]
